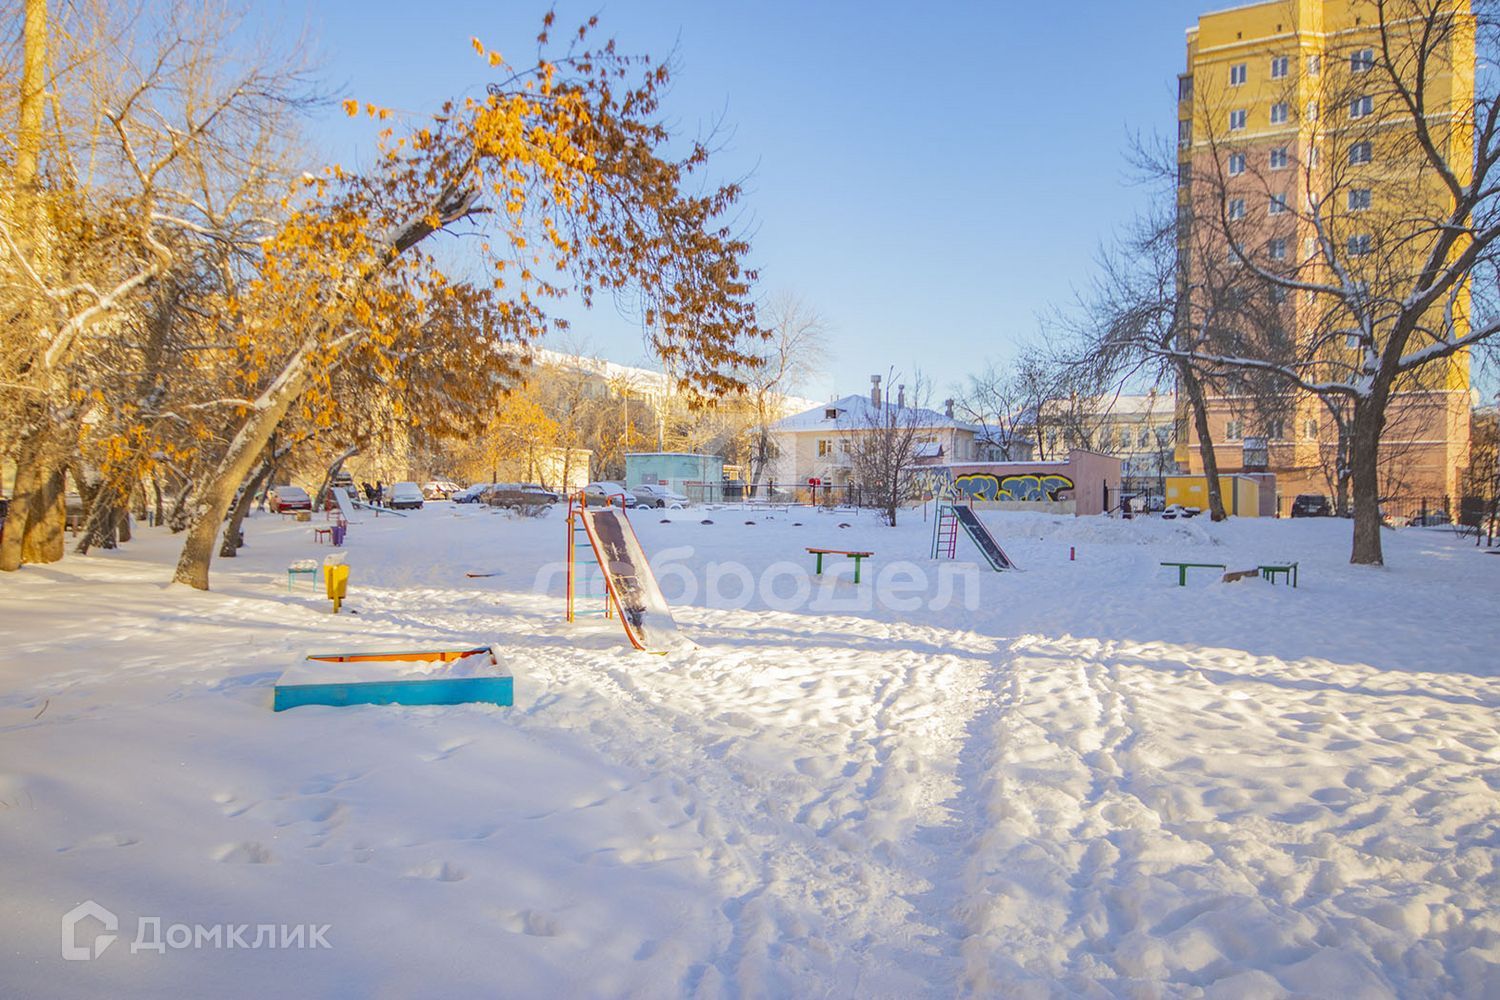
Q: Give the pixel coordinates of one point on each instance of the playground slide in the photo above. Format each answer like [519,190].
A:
[644,612]
[982,538]
[346,506]
[354,501]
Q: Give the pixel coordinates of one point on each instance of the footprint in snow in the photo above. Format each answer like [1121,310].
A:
[438,871]
[245,853]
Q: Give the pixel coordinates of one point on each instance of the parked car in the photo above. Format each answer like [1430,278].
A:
[439,489]
[1311,505]
[659,496]
[613,493]
[471,493]
[1146,503]
[405,495]
[284,498]
[519,495]
[1431,519]
[1176,510]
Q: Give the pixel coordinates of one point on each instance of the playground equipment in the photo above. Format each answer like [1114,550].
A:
[417,677]
[955,512]
[630,589]
[336,583]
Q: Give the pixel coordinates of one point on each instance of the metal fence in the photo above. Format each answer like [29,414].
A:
[735,491]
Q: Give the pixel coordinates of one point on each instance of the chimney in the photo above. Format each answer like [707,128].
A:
[901,397]
[875,391]
[948,408]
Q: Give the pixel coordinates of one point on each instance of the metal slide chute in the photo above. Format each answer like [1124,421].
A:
[632,589]
[981,537]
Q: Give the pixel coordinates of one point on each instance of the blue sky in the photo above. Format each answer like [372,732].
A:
[930,177]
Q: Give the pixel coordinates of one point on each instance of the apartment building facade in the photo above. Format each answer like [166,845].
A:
[1282,119]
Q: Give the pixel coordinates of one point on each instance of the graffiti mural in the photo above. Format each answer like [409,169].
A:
[983,486]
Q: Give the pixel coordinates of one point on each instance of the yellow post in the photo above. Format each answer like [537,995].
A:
[336,582]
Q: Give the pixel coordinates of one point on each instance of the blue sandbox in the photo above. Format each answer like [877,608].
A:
[416,677]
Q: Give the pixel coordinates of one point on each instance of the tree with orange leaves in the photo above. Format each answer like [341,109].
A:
[563,170]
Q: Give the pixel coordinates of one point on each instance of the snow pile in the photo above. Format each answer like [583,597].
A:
[321,671]
[1085,781]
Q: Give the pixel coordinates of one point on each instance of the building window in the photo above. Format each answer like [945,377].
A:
[1275,429]
[1236,208]
[1185,132]
[843,446]
[1144,439]
[1312,111]
[1278,294]
[1237,120]
[1359,199]
[1351,341]
[1314,64]
[1361,152]
[1361,107]
[1237,75]
[1279,158]
[1184,175]
[825,447]
[1309,430]
[1279,67]
[1236,164]
[1312,156]
[1362,61]
[1278,204]
[1280,111]
[1359,245]
[831,413]
[1124,439]
[1184,88]
[1276,250]
[1233,430]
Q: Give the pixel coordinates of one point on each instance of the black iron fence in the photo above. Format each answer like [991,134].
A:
[736,491]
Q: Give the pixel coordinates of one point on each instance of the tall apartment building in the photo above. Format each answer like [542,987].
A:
[1253,143]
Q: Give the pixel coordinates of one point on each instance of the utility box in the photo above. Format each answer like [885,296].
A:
[1241,494]
[673,470]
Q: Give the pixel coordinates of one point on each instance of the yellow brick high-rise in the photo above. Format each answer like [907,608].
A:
[1273,115]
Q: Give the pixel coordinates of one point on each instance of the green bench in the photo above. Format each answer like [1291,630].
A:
[1183,567]
[1286,570]
[856,556]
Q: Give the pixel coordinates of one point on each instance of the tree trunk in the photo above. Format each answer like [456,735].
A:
[320,499]
[156,488]
[233,536]
[247,445]
[1364,463]
[179,519]
[37,521]
[122,523]
[1199,405]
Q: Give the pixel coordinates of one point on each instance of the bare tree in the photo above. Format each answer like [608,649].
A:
[792,356]
[1383,232]
[885,441]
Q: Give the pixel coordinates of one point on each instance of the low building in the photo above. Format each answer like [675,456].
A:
[1084,483]
[818,442]
[681,472]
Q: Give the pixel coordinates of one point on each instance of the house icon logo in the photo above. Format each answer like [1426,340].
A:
[70,921]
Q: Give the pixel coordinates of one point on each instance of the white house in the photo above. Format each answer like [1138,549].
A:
[815,444]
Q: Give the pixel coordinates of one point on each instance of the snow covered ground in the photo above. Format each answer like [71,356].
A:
[1077,780]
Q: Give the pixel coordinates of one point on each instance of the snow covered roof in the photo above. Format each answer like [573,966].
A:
[853,412]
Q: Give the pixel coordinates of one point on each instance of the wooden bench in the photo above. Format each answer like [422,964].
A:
[304,567]
[1287,570]
[1183,567]
[856,556]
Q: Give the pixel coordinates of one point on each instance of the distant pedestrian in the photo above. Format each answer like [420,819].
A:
[368,490]
[379,493]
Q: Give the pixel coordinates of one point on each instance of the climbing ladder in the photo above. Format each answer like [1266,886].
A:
[581,554]
[945,530]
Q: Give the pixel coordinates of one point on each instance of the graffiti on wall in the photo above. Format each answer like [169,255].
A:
[982,486]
